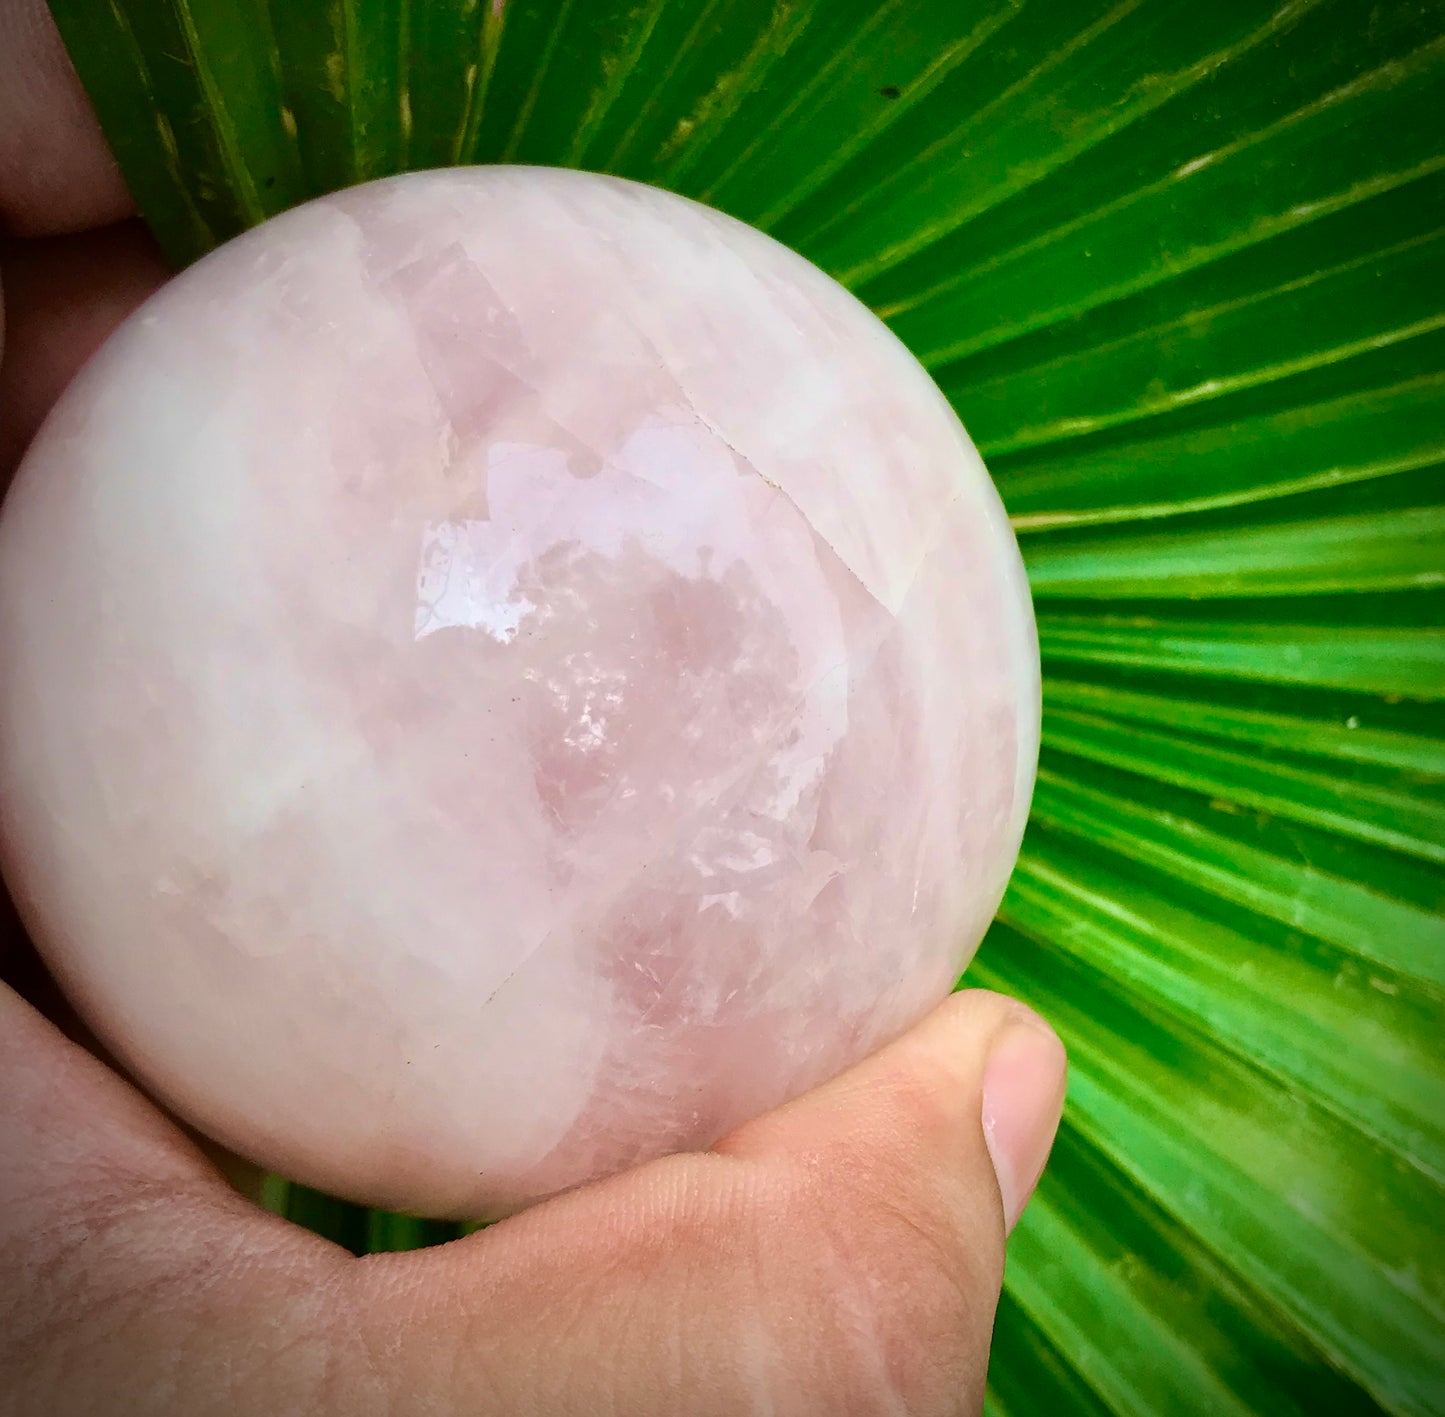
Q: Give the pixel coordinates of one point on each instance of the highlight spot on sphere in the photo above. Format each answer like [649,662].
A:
[505,673]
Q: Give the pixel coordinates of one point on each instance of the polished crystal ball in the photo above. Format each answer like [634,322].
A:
[505,673]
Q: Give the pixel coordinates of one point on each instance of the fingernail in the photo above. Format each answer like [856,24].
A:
[1023,1096]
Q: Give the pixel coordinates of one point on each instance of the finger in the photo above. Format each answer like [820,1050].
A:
[56,170]
[132,1279]
[63,296]
[843,1254]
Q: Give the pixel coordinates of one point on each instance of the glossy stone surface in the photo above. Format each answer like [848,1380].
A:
[504,673]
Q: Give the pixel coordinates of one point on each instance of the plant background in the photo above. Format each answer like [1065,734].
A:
[1181,269]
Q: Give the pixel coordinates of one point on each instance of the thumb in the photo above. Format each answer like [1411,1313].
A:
[971,1097]
[925,1156]
[842,1254]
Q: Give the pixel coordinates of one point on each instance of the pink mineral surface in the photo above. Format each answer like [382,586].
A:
[505,673]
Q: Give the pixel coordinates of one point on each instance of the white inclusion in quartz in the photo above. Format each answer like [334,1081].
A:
[469,569]
[460,586]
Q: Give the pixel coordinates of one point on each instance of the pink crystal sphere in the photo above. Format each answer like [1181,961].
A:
[505,673]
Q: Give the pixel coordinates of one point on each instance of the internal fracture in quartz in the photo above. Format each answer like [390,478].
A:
[505,673]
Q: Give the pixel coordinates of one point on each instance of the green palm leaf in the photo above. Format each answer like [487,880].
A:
[1181,268]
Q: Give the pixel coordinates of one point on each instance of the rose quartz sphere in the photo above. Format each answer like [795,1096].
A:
[505,673]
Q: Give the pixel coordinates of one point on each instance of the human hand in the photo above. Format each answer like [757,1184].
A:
[840,1256]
